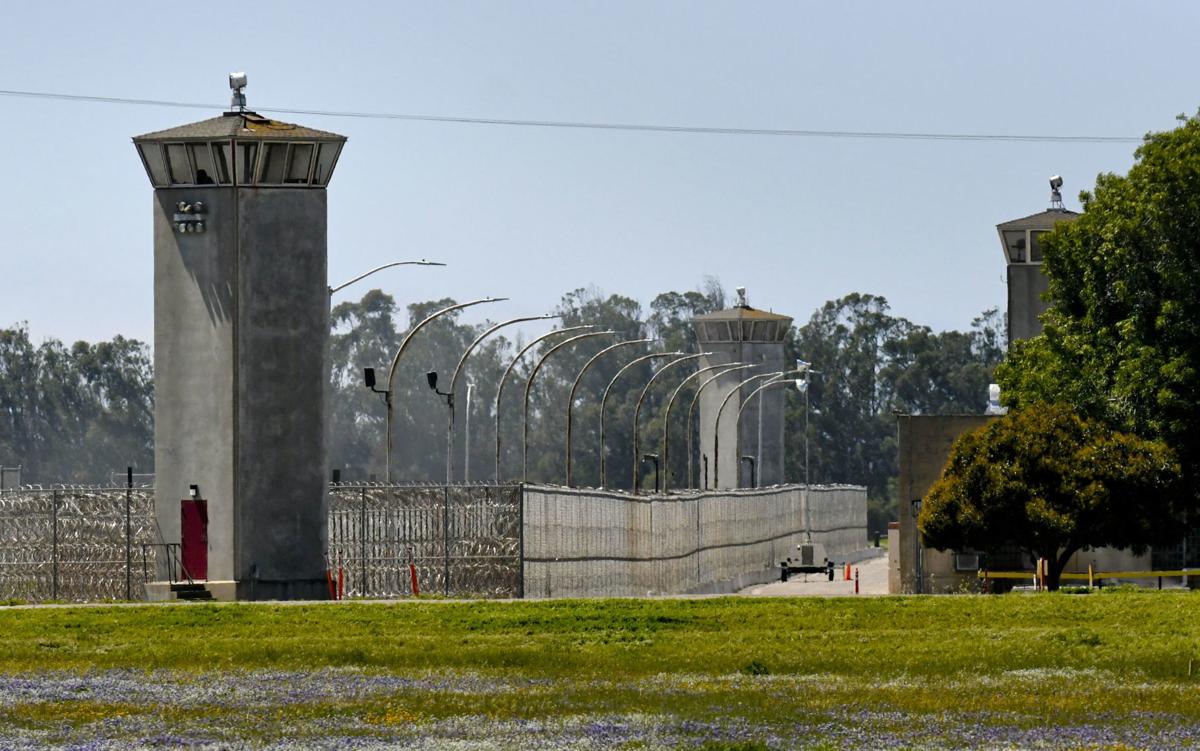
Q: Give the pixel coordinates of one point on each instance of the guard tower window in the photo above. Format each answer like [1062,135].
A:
[177,164]
[1035,246]
[156,165]
[770,329]
[274,156]
[202,158]
[299,162]
[1015,243]
[247,154]
[327,155]
[220,152]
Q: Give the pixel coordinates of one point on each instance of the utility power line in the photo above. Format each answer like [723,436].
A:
[581,125]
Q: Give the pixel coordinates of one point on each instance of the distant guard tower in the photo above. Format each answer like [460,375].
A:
[241,321]
[1021,240]
[741,334]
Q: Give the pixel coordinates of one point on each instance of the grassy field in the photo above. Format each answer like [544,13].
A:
[1114,670]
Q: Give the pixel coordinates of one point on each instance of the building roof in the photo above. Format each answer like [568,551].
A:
[243,125]
[1041,220]
[741,313]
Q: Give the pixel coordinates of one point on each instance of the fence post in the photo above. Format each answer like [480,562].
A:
[362,541]
[54,545]
[446,534]
[521,541]
[128,534]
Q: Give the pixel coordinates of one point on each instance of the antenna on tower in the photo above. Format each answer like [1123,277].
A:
[1056,183]
[237,82]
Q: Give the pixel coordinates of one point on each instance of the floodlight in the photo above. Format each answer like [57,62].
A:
[431,376]
[1056,182]
[237,81]
[369,377]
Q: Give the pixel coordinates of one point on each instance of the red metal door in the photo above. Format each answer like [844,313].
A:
[194,537]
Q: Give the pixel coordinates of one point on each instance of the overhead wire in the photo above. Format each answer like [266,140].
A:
[610,126]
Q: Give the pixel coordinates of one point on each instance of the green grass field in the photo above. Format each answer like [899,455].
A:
[1112,670]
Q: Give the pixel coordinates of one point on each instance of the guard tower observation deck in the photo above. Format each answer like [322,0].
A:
[1027,285]
[741,334]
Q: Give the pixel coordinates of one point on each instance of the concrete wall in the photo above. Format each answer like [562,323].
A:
[283,324]
[194,354]
[924,446]
[241,322]
[592,543]
[1026,285]
[733,473]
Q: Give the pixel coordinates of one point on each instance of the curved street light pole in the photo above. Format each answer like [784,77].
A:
[692,410]
[717,423]
[665,442]
[637,410]
[360,277]
[529,388]
[458,370]
[575,386]
[776,381]
[604,402]
[396,361]
[772,377]
[508,371]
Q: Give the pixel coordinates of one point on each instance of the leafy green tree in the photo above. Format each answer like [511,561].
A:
[1051,483]
[1120,339]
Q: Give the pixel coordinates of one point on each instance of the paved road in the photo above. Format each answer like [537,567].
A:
[872,580]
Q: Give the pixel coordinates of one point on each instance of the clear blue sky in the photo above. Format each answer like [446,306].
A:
[531,213]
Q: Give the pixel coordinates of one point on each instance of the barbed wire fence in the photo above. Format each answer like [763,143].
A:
[75,542]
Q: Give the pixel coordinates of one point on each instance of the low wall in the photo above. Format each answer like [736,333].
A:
[594,543]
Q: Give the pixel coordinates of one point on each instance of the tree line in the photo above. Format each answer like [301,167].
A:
[81,413]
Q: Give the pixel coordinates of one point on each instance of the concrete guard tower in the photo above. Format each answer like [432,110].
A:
[741,334]
[1021,240]
[241,324]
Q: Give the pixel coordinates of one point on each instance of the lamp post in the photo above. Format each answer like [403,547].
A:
[529,388]
[513,364]
[458,371]
[807,370]
[717,421]
[467,436]
[360,277]
[652,458]
[575,386]
[604,402]
[750,460]
[665,443]
[404,343]
[776,380]
[692,410]
[637,410]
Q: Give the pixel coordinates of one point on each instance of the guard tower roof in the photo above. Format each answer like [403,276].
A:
[240,148]
[741,324]
[240,125]
[1041,220]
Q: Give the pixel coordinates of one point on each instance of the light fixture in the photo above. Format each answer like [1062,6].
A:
[237,82]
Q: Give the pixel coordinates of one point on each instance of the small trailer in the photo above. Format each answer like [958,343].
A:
[811,560]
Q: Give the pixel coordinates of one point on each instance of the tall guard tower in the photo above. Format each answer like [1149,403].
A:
[741,334]
[241,324]
[1021,239]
